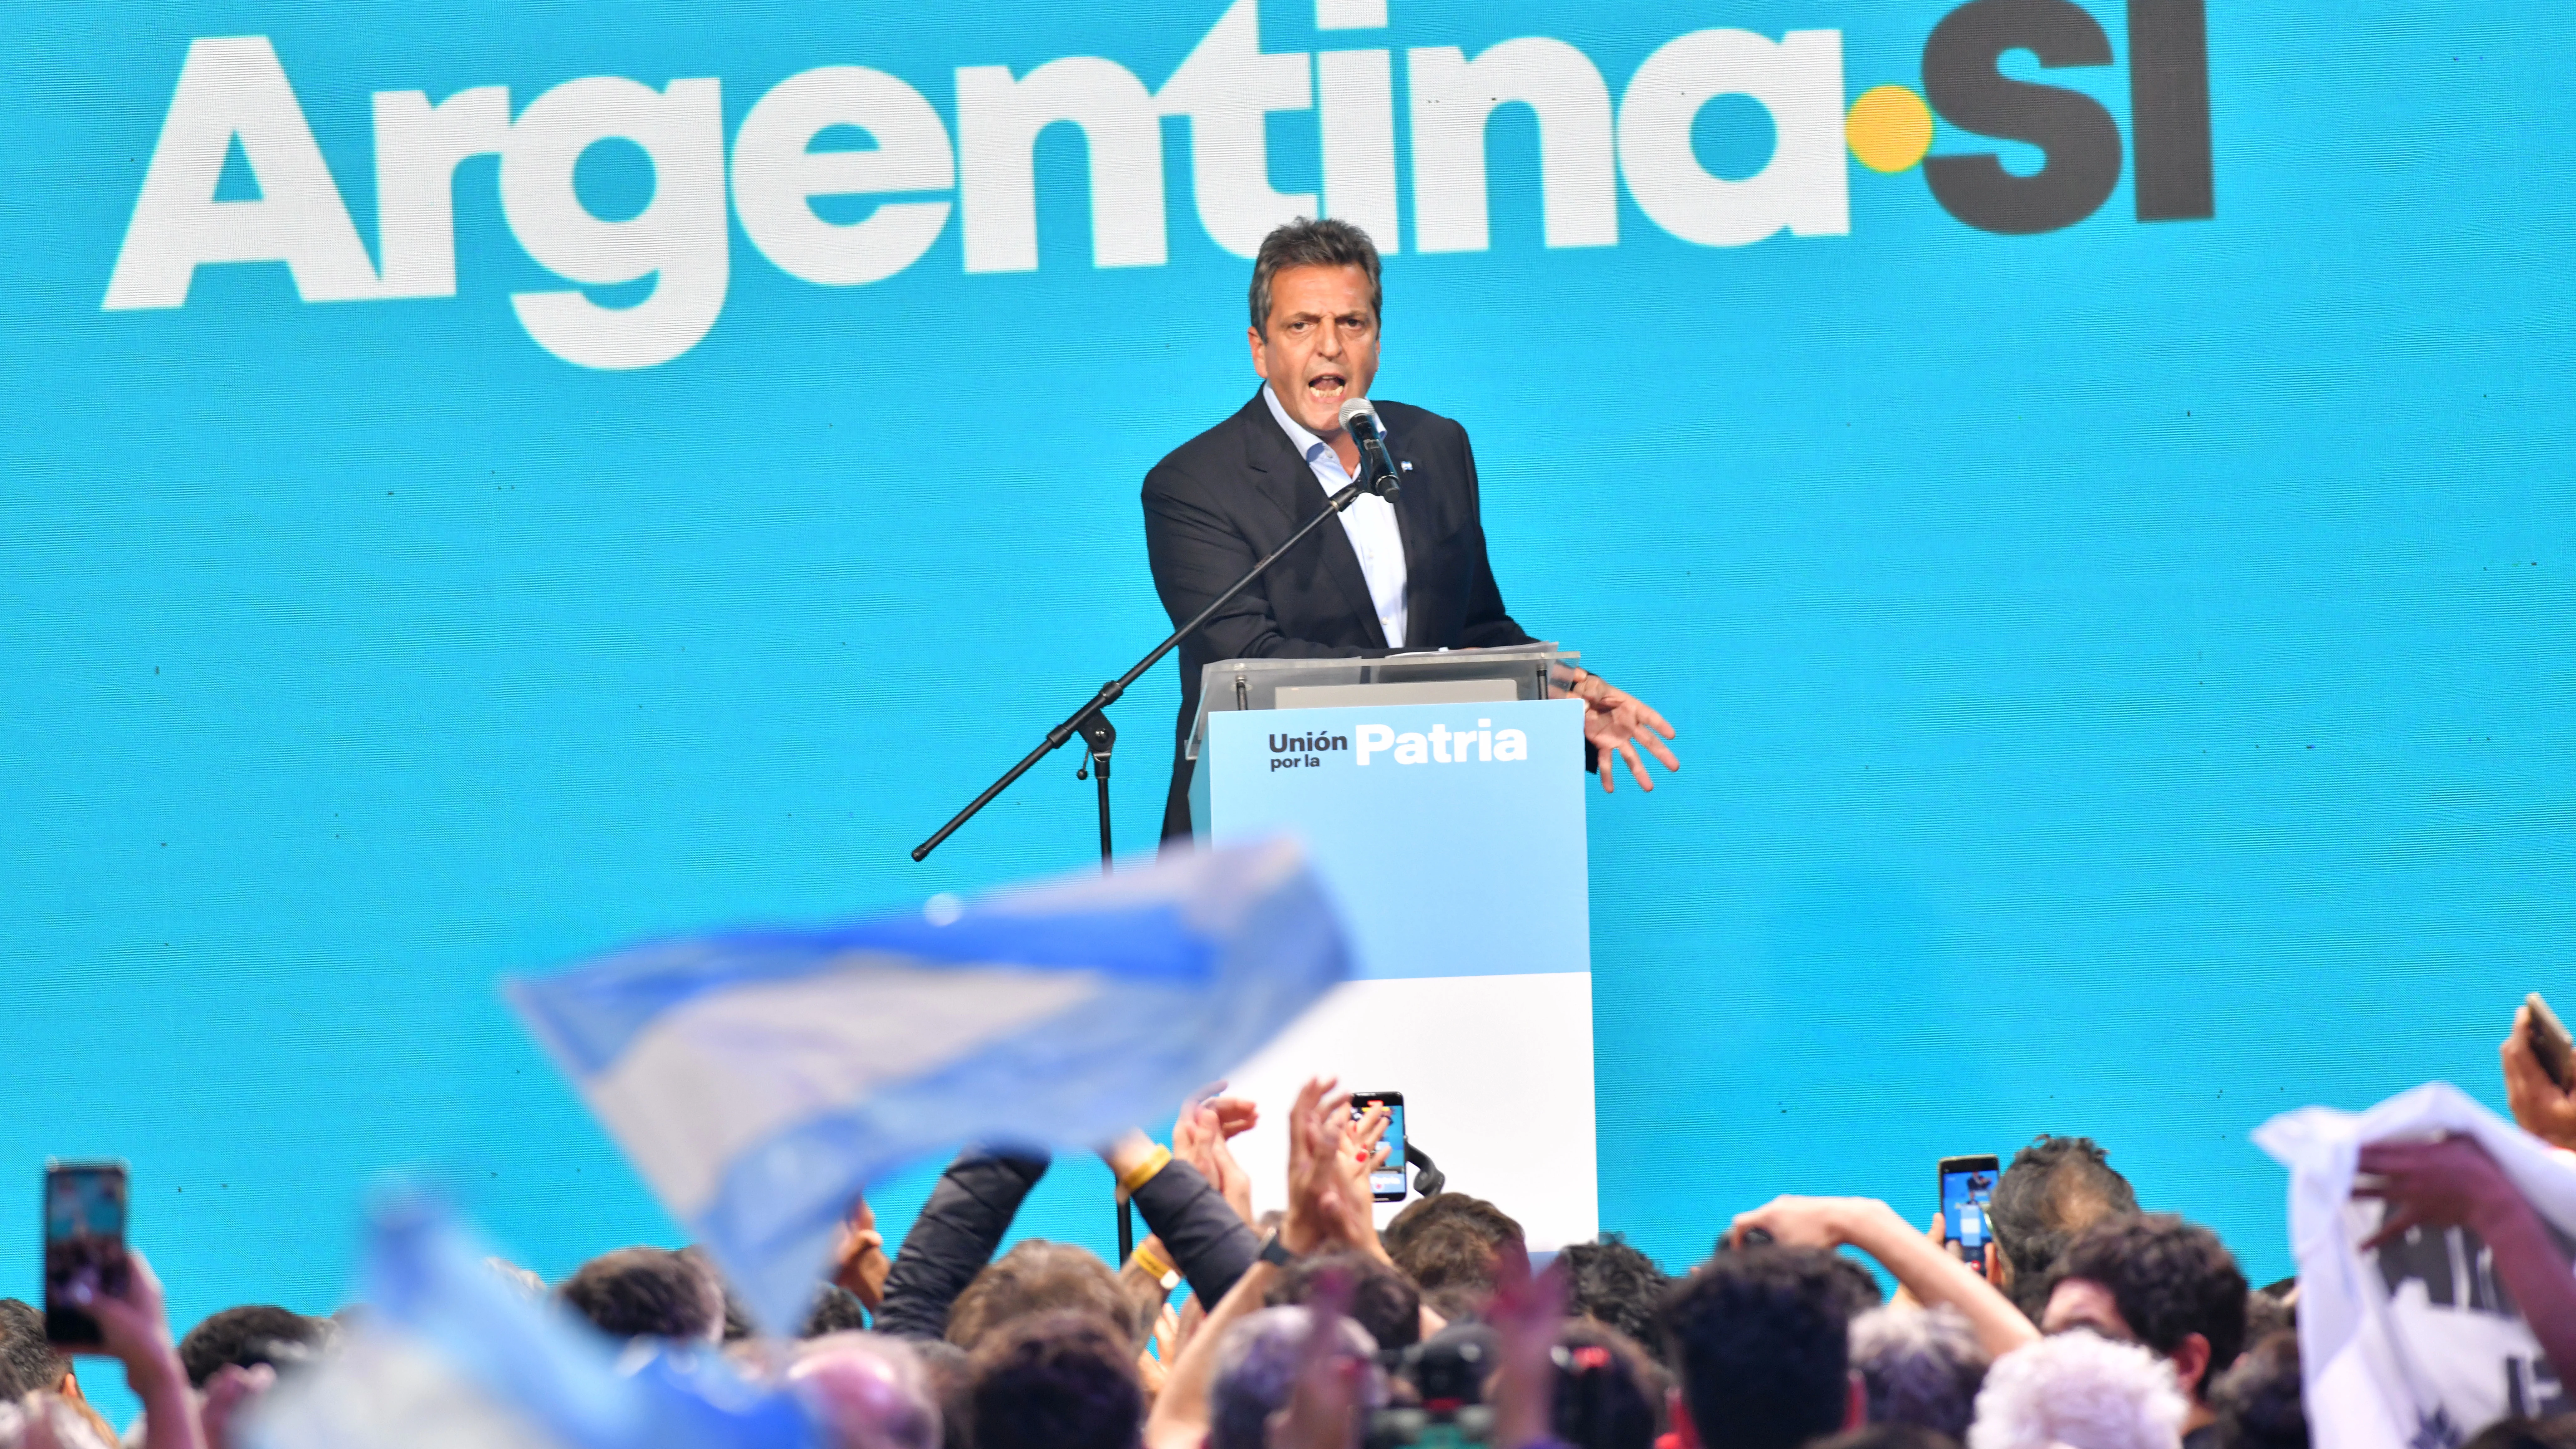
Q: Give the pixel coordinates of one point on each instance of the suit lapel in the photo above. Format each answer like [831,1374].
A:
[1283,477]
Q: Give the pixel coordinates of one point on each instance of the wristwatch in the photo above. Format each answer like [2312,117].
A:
[1276,1255]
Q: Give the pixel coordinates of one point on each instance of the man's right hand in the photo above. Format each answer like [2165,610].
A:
[2540,1106]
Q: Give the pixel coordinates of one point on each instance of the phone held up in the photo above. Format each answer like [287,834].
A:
[84,1244]
[1967,1186]
[2550,1043]
[1387,1183]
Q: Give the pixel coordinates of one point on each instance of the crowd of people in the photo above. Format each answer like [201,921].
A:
[2084,1321]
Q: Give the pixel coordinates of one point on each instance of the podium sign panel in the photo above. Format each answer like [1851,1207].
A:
[1452,837]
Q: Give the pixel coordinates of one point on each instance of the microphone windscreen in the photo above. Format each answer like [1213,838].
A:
[1358,407]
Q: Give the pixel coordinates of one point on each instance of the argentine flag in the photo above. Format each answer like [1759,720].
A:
[760,1078]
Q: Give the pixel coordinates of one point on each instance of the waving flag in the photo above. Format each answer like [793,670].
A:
[452,1357]
[760,1078]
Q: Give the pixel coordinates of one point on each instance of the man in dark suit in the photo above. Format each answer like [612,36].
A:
[1401,576]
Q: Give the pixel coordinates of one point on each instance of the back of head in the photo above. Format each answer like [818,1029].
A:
[2054,1189]
[1609,1391]
[2558,1431]
[1056,1380]
[1615,1284]
[2081,1391]
[1038,1277]
[46,1421]
[2259,1401]
[949,1375]
[648,1292]
[28,1364]
[1487,1221]
[870,1390]
[1889,1436]
[1920,1366]
[1455,1256]
[1760,1338]
[2170,1279]
[1383,1300]
[836,1310]
[255,1333]
[1256,1373]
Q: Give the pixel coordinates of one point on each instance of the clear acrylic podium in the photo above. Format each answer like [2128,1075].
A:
[1441,799]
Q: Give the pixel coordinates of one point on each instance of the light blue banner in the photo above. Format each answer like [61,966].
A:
[1451,835]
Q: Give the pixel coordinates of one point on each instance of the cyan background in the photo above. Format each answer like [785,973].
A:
[2122,673]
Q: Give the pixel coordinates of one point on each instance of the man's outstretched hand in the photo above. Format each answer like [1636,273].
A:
[1615,722]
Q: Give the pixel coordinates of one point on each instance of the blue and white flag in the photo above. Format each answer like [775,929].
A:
[453,1357]
[760,1078]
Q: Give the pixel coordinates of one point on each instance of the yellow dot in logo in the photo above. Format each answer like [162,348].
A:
[1889,129]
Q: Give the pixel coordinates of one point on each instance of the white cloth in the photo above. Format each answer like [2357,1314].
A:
[2439,1357]
[1369,521]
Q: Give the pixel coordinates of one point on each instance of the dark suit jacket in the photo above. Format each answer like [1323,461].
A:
[1235,492]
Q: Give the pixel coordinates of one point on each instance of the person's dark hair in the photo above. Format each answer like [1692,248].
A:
[1920,1366]
[836,1309]
[1056,1380]
[255,1333]
[2258,1402]
[1889,1436]
[2054,1189]
[1383,1300]
[1613,1283]
[28,1364]
[1609,1391]
[1034,1277]
[2558,1431]
[2170,1279]
[949,1373]
[647,1292]
[1309,242]
[1760,1338]
[1451,1255]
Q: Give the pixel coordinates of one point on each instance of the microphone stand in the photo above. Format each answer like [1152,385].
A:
[1377,475]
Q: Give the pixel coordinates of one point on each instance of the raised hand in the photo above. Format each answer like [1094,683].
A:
[2540,1106]
[1199,1137]
[1328,1165]
[1615,722]
[859,1261]
[1324,1409]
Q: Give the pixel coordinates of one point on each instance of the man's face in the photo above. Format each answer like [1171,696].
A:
[1320,346]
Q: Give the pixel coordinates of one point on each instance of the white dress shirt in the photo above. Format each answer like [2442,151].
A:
[1369,521]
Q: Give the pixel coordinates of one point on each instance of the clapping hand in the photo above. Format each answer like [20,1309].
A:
[1615,722]
[1199,1138]
[1330,1157]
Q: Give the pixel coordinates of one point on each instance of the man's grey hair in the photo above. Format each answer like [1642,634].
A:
[1256,1373]
[894,1408]
[1313,242]
[1921,1366]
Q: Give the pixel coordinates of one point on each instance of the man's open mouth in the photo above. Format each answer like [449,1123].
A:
[1324,383]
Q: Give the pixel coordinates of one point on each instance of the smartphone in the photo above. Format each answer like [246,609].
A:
[1967,1186]
[2550,1043]
[84,1243]
[1387,1183]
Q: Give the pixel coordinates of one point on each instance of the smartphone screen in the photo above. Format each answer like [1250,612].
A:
[1967,1186]
[84,1243]
[1387,1183]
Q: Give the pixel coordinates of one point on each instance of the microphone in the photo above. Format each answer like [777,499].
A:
[1360,421]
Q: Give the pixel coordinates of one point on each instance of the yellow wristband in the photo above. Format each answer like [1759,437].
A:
[1143,1172]
[1146,1260]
